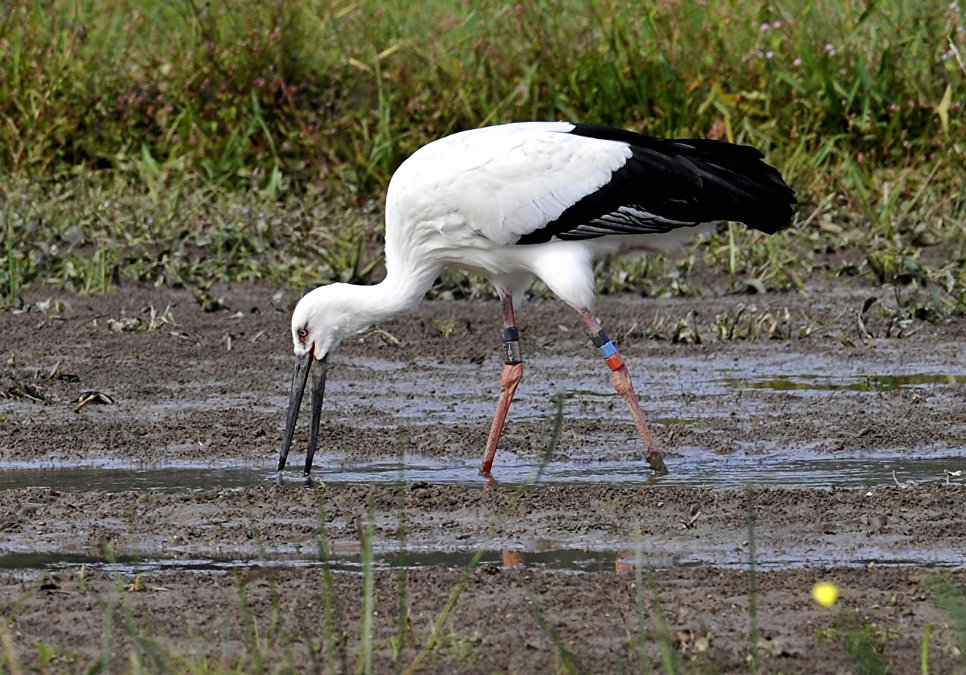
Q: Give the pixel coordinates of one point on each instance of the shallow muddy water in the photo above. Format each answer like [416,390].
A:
[695,469]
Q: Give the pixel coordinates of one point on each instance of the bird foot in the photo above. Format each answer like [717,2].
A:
[656,462]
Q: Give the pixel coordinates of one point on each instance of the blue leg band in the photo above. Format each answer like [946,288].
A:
[607,349]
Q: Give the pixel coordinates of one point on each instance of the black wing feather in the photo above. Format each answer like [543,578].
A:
[671,183]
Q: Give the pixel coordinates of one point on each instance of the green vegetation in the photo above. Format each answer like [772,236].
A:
[865,642]
[186,143]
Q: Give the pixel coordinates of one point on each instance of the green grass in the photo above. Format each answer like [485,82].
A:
[242,92]
[188,143]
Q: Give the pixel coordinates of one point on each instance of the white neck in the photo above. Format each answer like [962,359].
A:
[337,311]
[399,292]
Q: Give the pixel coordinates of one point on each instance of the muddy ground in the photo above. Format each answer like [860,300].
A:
[582,572]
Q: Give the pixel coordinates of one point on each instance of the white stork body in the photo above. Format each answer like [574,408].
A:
[538,199]
[466,199]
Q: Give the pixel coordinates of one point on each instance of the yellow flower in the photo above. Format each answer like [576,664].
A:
[825,593]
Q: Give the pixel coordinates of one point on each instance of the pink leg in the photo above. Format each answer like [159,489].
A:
[512,374]
[624,386]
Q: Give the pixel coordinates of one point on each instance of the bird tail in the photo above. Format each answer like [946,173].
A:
[699,180]
[736,183]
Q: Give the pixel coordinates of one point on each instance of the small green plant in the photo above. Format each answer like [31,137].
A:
[404,631]
[368,594]
[460,647]
[145,651]
[567,662]
[950,597]
[447,328]
[865,644]
[753,634]
[336,636]
[648,605]
[13,280]
[924,652]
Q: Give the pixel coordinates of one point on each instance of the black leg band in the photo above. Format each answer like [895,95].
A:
[599,339]
[511,346]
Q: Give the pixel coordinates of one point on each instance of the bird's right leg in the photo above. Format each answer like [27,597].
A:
[512,374]
[624,386]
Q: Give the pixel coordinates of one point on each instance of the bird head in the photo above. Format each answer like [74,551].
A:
[321,320]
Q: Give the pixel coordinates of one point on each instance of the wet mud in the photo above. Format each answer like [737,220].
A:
[138,438]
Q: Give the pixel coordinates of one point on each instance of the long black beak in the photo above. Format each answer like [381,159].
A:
[299,379]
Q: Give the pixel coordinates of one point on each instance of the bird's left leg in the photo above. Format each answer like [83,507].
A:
[512,374]
[624,386]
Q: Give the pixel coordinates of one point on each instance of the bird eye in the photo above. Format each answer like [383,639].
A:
[303,333]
